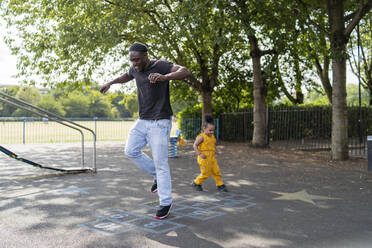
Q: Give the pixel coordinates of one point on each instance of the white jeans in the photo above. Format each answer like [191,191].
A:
[155,133]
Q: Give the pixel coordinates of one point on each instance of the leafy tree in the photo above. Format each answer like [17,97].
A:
[292,67]
[341,26]
[254,17]
[182,96]
[362,65]
[313,42]
[342,17]
[30,95]
[317,97]
[131,103]
[119,109]
[88,102]
[99,105]
[353,95]
[70,40]
[7,110]
[76,105]
[235,89]
[48,103]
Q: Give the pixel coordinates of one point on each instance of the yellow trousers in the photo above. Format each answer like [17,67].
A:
[209,167]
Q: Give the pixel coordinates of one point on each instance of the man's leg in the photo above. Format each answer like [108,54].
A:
[137,139]
[158,138]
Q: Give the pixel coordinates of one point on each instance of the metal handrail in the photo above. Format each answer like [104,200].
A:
[54,117]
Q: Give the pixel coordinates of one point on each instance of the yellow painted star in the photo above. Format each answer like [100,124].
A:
[301,196]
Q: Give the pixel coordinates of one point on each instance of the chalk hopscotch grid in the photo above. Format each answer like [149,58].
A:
[138,221]
[197,213]
[106,227]
[117,221]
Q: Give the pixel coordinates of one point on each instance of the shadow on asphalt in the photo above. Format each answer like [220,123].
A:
[114,207]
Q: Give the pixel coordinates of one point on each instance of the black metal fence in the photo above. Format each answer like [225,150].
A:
[191,127]
[296,127]
[300,127]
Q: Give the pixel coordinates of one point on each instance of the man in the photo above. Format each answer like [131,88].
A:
[154,123]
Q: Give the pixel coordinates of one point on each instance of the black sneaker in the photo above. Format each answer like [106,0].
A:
[154,187]
[163,212]
[197,187]
[222,188]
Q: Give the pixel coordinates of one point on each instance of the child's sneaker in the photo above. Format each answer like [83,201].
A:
[222,188]
[197,187]
[154,187]
[162,212]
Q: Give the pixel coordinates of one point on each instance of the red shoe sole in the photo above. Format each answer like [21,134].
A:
[161,218]
[165,216]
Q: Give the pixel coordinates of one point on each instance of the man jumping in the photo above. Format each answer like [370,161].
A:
[154,123]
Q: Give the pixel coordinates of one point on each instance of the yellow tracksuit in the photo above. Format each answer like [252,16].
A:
[208,166]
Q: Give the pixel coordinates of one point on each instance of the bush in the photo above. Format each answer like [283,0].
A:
[189,121]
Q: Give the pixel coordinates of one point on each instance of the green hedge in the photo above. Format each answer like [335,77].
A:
[190,122]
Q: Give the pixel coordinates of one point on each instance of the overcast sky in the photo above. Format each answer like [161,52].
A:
[7,65]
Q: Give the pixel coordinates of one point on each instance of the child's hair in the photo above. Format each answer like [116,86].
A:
[208,120]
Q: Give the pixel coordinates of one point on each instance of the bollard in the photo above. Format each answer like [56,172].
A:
[172,149]
[24,131]
[369,151]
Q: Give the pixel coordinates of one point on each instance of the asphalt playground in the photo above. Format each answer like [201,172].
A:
[271,203]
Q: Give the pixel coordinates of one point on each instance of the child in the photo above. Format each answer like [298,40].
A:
[205,147]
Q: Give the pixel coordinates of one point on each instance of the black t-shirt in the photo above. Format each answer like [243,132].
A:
[153,98]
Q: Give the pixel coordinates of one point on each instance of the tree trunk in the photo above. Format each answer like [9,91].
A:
[259,96]
[323,74]
[369,82]
[299,94]
[339,108]
[339,112]
[206,103]
[324,78]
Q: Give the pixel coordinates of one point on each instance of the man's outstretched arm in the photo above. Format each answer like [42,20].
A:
[120,80]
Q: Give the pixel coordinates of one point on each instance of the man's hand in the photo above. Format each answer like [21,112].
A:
[105,87]
[156,77]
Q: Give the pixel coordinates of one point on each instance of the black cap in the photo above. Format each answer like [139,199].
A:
[138,47]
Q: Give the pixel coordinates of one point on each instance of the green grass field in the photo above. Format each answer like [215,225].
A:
[53,132]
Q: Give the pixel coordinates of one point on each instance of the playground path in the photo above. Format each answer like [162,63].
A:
[278,198]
